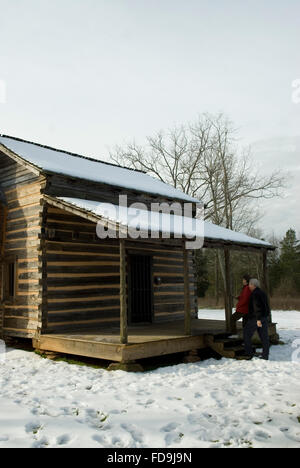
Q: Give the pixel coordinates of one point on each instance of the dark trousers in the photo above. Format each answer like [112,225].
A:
[249,330]
[237,316]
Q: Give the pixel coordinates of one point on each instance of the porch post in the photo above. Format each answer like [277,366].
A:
[230,327]
[265,275]
[265,278]
[187,297]
[123,305]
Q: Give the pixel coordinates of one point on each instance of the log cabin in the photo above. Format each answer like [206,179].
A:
[119,298]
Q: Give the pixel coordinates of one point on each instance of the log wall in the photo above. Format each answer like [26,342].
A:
[21,228]
[82,283]
[62,186]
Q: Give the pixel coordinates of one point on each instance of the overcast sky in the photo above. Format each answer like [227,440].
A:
[85,75]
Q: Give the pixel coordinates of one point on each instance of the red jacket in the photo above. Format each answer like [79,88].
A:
[243,304]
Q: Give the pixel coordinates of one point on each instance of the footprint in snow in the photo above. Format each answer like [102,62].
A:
[284,429]
[295,437]
[173,438]
[41,443]
[262,435]
[150,402]
[63,439]
[133,431]
[102,440]
[170,427]
[194,419]
[117,442]
[33,427]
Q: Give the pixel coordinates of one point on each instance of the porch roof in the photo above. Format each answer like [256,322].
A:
[127,217]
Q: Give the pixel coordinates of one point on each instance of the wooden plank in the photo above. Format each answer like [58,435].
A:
[162,347]
[111,352]
[118,352]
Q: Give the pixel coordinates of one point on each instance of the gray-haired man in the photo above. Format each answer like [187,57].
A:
[257,319]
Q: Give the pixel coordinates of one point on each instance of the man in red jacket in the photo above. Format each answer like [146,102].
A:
[242,307]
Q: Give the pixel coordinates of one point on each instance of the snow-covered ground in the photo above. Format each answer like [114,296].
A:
[222,403]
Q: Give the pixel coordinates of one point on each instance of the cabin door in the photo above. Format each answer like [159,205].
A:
[140,289]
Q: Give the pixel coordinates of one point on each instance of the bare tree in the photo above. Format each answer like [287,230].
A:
[202,160]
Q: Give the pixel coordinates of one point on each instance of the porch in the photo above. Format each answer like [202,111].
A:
[144,341]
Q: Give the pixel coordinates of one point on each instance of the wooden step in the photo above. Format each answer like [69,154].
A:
[228,342]
[227,347]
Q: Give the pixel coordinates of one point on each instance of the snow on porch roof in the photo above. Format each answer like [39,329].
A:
[51,160]
[157,222]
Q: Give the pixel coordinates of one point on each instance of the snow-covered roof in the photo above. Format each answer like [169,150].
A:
[161,222]
[51,160]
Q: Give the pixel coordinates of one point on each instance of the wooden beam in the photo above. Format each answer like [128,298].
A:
[123,302]
[230,327]
[187,298]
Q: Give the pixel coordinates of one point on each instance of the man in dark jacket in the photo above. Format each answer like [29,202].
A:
[257,319]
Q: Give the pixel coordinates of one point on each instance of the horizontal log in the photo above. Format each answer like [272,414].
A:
[20,323]
[27,300]
[66,226]
[23,202]
[22,190]
[88,325]
[79,275]
[97,296]
[23,234]
[25,287]
[24,212]
[23,195]
[79,281]
[22,245]
[35,265]
[25,223]
[83,316]
[82,287]
[81,258]
[83,269]
[168,307]
[29,275]
[19,333]
[64,306]
[83,293]
[19,179]
[179,288]
[101,310]
[84,263]
[21,312]
[76,246]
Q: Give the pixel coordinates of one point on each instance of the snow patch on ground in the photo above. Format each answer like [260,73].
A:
[222,403]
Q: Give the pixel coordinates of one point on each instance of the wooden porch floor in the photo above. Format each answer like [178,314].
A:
[146,332]
[143,341]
